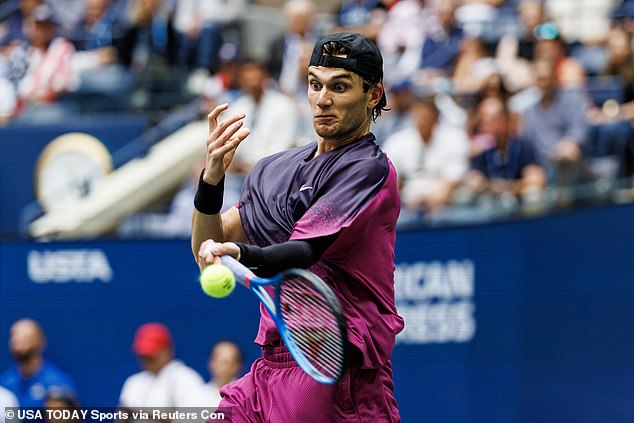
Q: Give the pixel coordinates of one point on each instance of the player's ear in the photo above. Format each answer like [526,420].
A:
[376,92]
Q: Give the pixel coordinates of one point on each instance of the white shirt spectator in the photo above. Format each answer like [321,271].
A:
[420,166]
[401,38]
[272,122]
[176,385]
[212,392]
[206,11]
[49,73]
[7,399]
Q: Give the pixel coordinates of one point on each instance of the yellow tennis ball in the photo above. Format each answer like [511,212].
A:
[217,280]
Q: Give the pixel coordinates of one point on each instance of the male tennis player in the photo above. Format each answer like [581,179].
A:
[330,206]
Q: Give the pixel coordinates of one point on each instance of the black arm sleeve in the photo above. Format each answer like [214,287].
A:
[267,261]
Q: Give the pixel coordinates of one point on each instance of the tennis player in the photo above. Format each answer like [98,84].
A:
[330,206]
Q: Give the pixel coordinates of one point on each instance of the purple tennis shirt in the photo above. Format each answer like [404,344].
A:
[351,191]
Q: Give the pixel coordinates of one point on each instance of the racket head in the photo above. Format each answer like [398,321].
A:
[314,327]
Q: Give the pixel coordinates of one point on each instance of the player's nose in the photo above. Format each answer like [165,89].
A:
[324,98]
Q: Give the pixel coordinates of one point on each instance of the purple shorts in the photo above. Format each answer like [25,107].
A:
[277,390]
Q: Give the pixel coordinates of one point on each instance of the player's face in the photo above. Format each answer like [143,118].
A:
[340,108]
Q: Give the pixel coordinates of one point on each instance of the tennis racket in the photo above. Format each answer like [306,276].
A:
[308,317]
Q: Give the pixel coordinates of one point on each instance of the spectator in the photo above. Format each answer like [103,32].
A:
[511,165]
[430,158]
[49,69]
[32,375]
[68,14]
[515,51]
[475,15]
[398,117]
[612,133]
[57,397]
[585,21]
[473,66]
[270,115]
[98,26]
[365,17]
[7,399]
[442,42]
[556,125]
[286,51]
[165,381]
[61,399]
[224,364]
[551,46]
[531,14]
[96,58]
[199,26]
[15,27]
[620,63]
[401,38]
[149,39]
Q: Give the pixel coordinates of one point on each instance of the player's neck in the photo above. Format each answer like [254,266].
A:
[325,145]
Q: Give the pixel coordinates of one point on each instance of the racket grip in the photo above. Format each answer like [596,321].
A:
[241,273]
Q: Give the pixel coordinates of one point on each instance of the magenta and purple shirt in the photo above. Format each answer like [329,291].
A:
[351,191]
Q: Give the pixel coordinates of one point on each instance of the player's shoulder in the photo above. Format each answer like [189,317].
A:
[363,157]
[291,155]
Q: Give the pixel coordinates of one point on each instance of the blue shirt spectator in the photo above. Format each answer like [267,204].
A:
[356,12]
[32,376]
[505,164]
[442,43]
[31,391]
[557,124]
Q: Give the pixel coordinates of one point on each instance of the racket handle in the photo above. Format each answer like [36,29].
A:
[241,273]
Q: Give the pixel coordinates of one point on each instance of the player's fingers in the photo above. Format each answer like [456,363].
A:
[205,252]
[220,138]
[212,117]
[227,249]
[229,147]
[222,126]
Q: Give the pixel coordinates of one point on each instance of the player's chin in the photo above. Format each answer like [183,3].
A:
[327,131]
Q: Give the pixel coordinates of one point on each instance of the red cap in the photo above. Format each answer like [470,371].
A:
[151,338]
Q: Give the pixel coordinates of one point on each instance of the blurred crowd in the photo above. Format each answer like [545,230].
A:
[497,107]
[163,380]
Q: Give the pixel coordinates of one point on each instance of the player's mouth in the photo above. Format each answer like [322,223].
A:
[324,117]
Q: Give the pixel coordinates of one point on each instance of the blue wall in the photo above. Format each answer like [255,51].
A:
[520,321]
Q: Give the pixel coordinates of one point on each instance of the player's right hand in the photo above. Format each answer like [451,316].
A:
[211,251]
[222,141]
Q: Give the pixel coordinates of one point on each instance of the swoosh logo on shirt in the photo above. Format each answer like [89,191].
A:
[304,188]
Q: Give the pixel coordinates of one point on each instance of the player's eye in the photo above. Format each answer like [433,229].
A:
[314,85]
[339,87]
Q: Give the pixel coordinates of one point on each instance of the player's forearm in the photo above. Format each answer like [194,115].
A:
[267,261]
[205,227]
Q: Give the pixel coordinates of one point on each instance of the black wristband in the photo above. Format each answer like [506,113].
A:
[208,199]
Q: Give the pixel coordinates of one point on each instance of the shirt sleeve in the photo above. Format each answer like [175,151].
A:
[341,196]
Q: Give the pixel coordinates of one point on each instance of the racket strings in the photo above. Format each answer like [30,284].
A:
[313,325]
